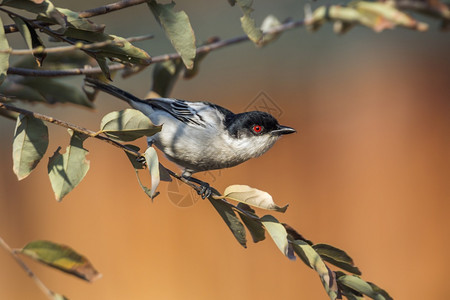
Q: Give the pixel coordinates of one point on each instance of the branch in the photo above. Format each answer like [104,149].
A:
[71,126]
[156,59]
[94,134]
[109,8]
[85,14]
[76,46]
[49,293]
[50,32]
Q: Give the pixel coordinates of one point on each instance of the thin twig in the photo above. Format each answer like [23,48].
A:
[49,293]
[184,180]
[156,59]
[77,46]
[109,8]
[71,126]
[85,14]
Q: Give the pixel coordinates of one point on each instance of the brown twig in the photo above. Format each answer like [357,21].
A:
[85,14]
[109,8]
[156,59]
[49,293]
[71,126]
[76,46]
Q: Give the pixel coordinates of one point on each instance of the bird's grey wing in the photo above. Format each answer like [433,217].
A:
[187,112]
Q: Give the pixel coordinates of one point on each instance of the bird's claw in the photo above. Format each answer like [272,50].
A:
[205,190]
[140,159]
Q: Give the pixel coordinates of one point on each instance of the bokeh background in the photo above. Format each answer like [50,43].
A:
[368,170]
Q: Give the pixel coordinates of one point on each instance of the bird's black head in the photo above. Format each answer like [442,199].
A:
[255,123]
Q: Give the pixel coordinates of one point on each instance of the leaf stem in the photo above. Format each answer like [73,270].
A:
[71,126]
[49,293]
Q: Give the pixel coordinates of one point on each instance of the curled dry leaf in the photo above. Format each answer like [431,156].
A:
[269,23]
[151,159]
[252,197]
[376,15]
[128,125]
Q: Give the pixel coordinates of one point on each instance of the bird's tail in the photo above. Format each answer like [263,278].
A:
[112,90]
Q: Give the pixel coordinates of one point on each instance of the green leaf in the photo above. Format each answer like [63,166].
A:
[252,222]
[253,197]
[245,5]
[73,19]
[124,51]
[164,174]
[31,37]
[29,145]
[294,235]
[226,212]
[336,257]
[66,171]
[178,29]
[312,259]
[119,49]
[151,158]
[103,64]
[380,291]
[128,125]
[356,283]
[248,24]
[278,234]
[58,61]
[43,89]
[133,159]
[190,73]
[347,292]
[253,32]
[143,187]
[165,75]
[62,258]
[4,57]
[43,8]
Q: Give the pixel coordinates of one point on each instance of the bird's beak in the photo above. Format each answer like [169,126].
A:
[281,130]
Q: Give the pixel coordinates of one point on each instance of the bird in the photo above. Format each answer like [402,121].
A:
[201,136]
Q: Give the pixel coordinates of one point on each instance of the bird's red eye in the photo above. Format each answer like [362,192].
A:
[257,128]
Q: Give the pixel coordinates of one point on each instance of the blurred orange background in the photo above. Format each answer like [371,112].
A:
[368,170]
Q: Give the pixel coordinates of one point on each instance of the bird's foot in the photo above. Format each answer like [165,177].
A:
[140,159]
[204,190]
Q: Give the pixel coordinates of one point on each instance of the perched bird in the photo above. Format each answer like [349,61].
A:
[201,136]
